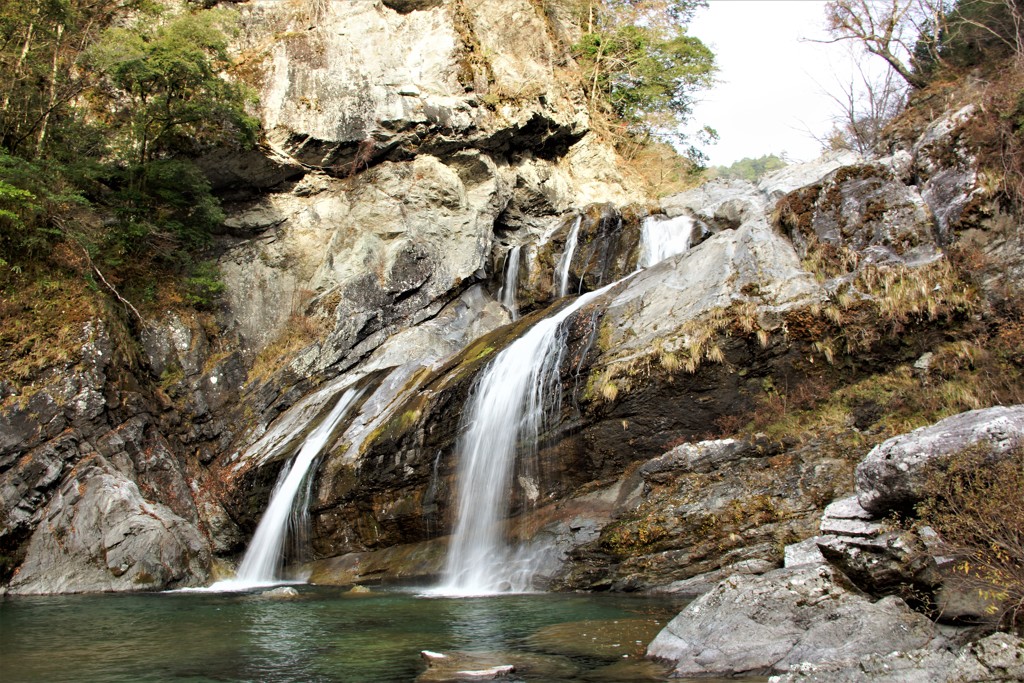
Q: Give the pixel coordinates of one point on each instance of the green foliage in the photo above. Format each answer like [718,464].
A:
[747,168]
[641,75]
[14,203]
[640,66]
[107,103]
[41,71]
[963,34]
[167,214]
[33,197]
[166,81]
[203,285]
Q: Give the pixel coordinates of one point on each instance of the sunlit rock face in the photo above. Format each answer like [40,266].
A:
[342,83]
[100,534]
[426,130]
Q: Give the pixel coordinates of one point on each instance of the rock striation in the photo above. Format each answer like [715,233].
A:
[892,476]
[777,621]
[794,620]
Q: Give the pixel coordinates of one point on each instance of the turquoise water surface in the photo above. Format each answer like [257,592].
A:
[322,635]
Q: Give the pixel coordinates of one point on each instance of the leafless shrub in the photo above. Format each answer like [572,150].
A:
[973,502]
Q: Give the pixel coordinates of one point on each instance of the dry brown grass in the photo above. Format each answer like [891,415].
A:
[43,316]
[304,327]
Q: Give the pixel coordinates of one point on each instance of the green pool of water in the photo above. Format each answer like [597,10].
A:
[321,635]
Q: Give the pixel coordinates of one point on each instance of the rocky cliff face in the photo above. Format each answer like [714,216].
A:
[409,146]
[405,144]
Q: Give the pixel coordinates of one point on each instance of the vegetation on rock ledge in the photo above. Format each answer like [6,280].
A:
[105,106]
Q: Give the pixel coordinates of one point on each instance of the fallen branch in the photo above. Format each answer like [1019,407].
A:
[113,290]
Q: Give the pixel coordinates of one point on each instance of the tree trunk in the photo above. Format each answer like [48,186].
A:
[53,90]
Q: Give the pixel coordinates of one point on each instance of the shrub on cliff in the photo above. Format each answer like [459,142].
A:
[641,68]
[106,104]
[973,502]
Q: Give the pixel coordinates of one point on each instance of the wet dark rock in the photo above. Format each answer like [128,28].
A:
[692,528]
[607,247]
[409,564]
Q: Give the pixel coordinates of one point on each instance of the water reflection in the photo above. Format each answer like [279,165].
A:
[477,625]
[322,635]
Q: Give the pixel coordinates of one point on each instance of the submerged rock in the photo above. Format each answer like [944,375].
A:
[779,620]
[612,639]
[486,666]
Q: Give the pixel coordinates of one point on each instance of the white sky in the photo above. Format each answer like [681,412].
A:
[772,84]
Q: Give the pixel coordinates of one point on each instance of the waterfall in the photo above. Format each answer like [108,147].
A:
[263,557]
[506,415]
[562,269]
[661,237]
[508,287]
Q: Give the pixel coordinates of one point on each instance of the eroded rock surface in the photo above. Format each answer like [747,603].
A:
[780,620]
[893,475]
[98,533]
[999,657]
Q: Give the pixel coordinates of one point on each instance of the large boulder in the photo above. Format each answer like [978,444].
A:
[876,557]
[782,619]
[99,533]
[863,208]
[894,474]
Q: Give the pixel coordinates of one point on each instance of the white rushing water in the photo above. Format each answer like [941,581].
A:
[263,557]
[503,422]
[661,237]
[511,282]
[506,416]
[562,268]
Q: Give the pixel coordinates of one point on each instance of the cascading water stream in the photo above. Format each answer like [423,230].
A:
[661,237]
[511,282]
[263,557]
[562,269]
[512,399]
[506,416]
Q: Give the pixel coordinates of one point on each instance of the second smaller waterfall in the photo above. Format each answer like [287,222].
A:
[511,282]
[562,269]
[661,237]
[263,557]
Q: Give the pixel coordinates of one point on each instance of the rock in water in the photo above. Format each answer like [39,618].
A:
[779,620]
[442,668]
